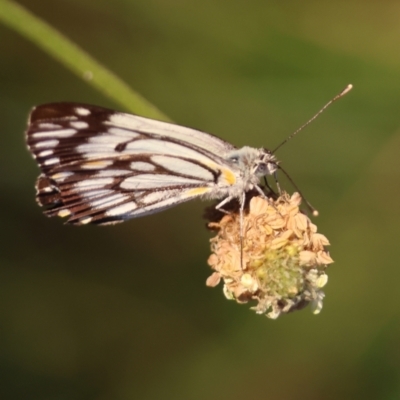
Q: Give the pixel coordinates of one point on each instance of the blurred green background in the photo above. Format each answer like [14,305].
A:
[123,312]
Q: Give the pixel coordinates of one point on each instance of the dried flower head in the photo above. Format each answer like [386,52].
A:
[283,261]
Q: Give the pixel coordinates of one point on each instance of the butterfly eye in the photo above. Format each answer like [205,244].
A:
[234,159]
[261,169]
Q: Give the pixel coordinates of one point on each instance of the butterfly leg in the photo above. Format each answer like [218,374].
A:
[266,183]
[277,183]
[242,201]
[261,192]
[222,203]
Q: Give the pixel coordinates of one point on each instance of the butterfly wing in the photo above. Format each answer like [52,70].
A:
[101,166]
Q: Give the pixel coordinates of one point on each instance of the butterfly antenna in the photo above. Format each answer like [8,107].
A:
[312,210]
[337,97]
[241,210]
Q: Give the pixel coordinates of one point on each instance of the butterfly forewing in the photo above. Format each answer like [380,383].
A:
[101,166]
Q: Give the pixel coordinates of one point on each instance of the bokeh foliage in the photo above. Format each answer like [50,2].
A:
[122,312]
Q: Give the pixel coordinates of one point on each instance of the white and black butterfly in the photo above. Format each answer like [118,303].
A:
[101,166]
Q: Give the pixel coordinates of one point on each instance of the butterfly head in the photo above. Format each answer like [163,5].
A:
[252,165]
[258,162]
[265,164]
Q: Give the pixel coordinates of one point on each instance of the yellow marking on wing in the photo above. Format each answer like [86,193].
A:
[228,176]
[197,191]
[96,164]
[64,213]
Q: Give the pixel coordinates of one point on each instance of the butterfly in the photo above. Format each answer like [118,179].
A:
[102,166]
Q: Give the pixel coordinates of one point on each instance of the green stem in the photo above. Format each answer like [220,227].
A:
[74,58]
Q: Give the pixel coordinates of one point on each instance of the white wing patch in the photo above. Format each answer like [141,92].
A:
[154,146]
[47,143]
[79,124]
[155,197]
[45,153]
[60,176]
[142,166]
[183,167]
[61,133]
[110,200]
[82,111]
[122,209]
[49,125]
[152,181]
[112,173]
[51,161]
[99,182]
